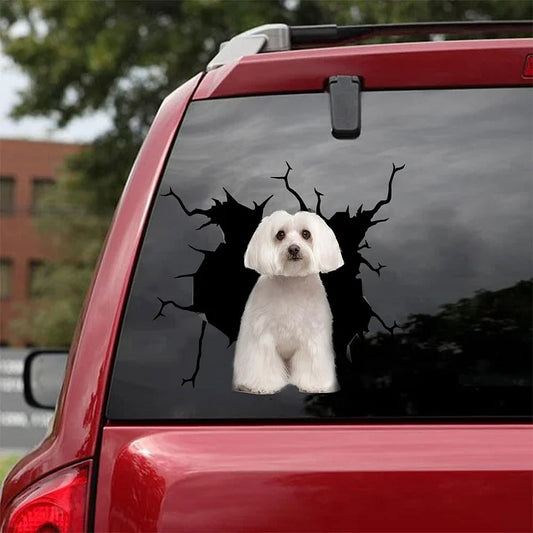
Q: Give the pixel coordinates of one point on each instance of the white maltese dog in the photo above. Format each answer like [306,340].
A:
[286,326]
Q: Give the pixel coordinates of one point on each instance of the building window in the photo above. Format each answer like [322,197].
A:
[6,278]
[35,281]
[7,195]
[41,188]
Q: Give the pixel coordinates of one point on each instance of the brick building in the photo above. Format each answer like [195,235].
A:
[28,169]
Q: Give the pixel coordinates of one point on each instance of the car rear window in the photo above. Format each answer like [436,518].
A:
[431,207]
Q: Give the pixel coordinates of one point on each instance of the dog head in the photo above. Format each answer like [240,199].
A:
[293,245]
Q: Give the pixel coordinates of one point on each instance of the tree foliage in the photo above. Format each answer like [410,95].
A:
[124,57]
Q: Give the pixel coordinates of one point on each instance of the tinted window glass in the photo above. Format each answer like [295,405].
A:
[444,329]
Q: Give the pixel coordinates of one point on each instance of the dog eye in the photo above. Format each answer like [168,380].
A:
[280,235]
[306,234]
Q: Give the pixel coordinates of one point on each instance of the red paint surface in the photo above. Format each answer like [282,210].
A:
[80,410]
[392,66]
[316,478]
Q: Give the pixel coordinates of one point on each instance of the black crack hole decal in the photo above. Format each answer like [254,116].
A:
[222,284]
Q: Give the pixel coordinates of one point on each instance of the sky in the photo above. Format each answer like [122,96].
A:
[83,129]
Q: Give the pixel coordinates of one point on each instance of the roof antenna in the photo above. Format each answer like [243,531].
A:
[345,106]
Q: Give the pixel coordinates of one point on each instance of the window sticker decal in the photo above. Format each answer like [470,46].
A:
[286,328]
[222,284]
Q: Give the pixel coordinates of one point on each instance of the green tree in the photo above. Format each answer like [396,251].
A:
[124,57]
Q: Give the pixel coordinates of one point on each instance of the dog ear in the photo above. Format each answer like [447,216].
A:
[261,253]
[325,246]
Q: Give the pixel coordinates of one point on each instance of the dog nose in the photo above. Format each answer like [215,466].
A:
[294,250]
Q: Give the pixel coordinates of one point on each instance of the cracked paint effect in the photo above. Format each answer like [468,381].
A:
[222,284]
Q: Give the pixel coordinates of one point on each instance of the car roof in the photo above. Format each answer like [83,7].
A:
[420,65]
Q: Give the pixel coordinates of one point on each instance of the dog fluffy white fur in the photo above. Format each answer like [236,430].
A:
[286,327]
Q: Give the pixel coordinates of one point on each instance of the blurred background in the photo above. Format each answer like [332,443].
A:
[81,81]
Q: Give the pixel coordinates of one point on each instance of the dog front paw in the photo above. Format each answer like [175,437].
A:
[261,389]
[317,388]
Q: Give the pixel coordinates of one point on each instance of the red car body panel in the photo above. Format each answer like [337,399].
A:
[394,66]
[316,478]
[307,478]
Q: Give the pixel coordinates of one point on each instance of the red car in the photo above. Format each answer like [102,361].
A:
[416,156]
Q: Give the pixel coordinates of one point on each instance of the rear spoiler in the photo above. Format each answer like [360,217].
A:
[280,37]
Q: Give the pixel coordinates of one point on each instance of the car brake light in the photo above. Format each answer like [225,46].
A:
[528,67]
[56,504]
